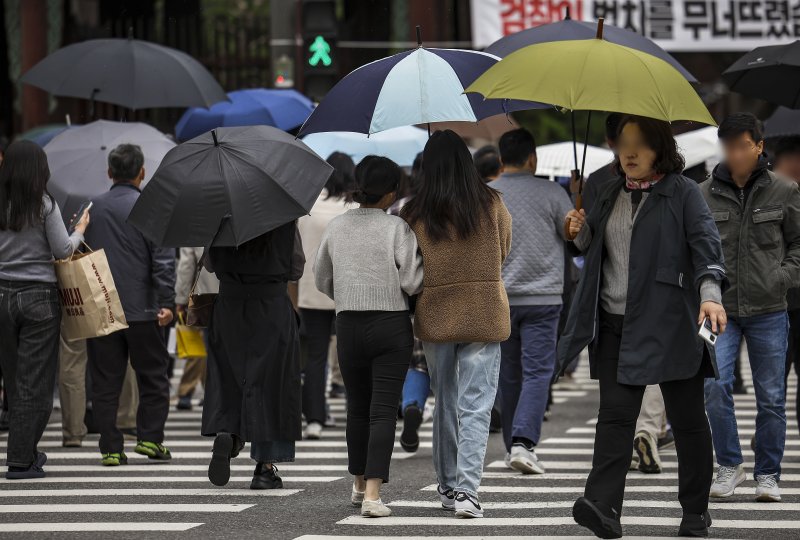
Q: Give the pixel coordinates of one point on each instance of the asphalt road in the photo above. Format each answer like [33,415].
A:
[81,499]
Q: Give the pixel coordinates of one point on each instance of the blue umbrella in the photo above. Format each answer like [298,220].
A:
[401,144]
[44,134]
[420,86]
[283,109]
[570,29]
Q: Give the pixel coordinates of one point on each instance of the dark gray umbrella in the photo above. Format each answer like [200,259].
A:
[770,73]
[784,122]
[129,72]
[259,176]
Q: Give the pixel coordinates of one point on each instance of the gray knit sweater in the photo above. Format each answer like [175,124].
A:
[614,285]
[368,261]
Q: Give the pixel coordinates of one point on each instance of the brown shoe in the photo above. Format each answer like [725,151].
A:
[72,443]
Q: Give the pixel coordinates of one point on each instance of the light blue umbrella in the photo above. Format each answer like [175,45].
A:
[401,144]
[284,109]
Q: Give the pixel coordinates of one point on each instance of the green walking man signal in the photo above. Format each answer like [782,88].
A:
[321,50]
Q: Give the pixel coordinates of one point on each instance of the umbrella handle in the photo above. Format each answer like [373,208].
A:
[578,201]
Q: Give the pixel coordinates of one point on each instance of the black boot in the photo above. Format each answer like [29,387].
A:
[598,517]
[219,470]
[264,477]
[412,419]
[695,525]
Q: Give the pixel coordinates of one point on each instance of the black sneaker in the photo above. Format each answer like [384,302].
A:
[695,525]
[219,470]
[412,419]
[590,515]
[264,477]
[184,403]
[34,470]
[667,441]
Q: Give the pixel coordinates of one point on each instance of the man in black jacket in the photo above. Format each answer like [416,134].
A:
[145,279]
[758,218]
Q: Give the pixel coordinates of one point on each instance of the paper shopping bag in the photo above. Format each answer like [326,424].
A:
[189,342]
[90,305]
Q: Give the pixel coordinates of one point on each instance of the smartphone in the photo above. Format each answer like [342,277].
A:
[707,333]
[84,207]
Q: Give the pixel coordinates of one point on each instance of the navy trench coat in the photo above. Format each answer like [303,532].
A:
[674,246]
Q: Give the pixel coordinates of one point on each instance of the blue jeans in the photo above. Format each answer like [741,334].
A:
[464,381]
[528,360]
[766,337]
[416,388]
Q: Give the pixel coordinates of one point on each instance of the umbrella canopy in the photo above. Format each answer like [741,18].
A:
[771,73]
[699,146]
[128,72]
[556,159]
[284,109]
[258,177]
[784,122]
[44,134]
[594,74]
[570,29]
[78,159]
[401,144]
[420,86]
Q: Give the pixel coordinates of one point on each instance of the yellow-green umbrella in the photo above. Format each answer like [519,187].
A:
[594,75]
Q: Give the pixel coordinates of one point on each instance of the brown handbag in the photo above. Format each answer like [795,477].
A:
[201,306]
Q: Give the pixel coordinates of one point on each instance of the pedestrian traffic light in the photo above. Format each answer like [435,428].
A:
[284,72]
[320,30]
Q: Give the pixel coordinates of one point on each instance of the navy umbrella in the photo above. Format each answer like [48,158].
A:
[771,73]
[570,29]
[284,109]
[229,185]
[420,86]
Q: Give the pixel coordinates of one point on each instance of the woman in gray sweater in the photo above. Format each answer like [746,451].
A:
[369,264]
[32,233]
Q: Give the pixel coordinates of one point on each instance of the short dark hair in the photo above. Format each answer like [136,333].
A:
[342,181]
[487,161]
[739,123]
[125,161]
[786,146]
[375,177]
[516,146]
[658,137]
[612,126]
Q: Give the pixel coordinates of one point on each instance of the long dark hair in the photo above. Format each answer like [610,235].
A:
[658,137]
[23,186]
[453,198]
[342,182]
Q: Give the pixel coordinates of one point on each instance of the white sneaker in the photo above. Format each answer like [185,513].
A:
[375,509]
[507,460]
[356,497]
[768,490]
[525,461]
[728,479]
[313,431]
[448,498]
[467,506]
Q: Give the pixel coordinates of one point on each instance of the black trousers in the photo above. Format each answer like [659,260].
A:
[616,424]
[375,350]
[793,355]
[143,343]
[315,339]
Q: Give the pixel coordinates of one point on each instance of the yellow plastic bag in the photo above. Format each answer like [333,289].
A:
[189,342]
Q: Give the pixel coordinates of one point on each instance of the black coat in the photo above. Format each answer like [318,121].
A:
[253,370]
[674,245]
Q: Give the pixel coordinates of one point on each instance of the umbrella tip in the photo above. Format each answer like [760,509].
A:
[419,36]
[568,15]
[600,28]
[214,136]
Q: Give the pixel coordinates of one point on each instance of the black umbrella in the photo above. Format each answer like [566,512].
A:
[784,122]
[129,72]
[771,73]
[259,177]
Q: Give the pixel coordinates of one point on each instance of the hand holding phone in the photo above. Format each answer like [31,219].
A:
[79,215]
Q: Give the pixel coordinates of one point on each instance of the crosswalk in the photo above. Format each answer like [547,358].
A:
[81,496]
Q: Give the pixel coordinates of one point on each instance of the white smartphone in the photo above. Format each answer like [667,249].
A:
[82,210]
[707,333]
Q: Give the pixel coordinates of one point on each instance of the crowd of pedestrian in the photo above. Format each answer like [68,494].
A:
[453,280]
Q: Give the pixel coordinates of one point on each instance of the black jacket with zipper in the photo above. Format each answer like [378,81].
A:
[759,225]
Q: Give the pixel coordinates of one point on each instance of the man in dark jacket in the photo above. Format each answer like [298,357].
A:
[758,218]
[145,279]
